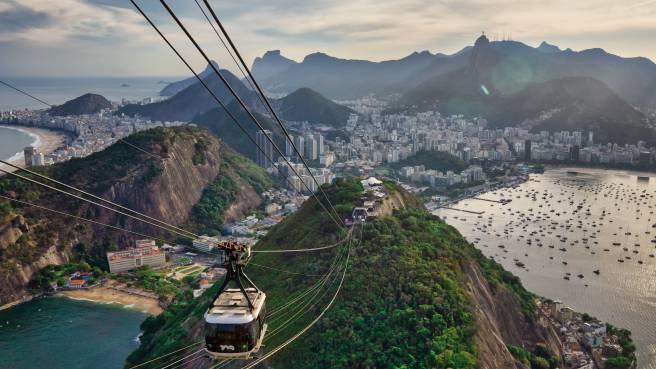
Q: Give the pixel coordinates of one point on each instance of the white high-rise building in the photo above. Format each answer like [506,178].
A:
[263,159]
[289,148]
[311,148]
[147,254]
[38,160]
[299,141]
[322,148]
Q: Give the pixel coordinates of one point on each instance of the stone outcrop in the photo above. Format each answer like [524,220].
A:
[165,186]
[501,322]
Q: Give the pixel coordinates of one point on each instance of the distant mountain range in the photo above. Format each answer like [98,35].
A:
[633,79]
[336,78]
[175,87]
[194,101]
[507,82]
[504,88]
[270,64]
[85,104]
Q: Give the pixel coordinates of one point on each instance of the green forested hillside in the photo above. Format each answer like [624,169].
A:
[402,305]
[185,161]
[85,104]
[209,212]
[219,122]
[308,105]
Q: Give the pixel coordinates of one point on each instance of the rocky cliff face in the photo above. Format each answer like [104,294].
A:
[165,185]
[500,322]
[14,284]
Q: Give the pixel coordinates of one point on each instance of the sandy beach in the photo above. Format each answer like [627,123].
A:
[108,295]
[47,141]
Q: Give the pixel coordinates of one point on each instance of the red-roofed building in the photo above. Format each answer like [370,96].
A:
[77,283]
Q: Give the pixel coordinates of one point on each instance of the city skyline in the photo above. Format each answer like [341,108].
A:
[109,38]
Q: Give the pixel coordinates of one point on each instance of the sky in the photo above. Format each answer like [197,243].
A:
[109,38]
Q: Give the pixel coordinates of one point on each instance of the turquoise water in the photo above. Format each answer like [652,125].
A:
[13,141]
[61,333]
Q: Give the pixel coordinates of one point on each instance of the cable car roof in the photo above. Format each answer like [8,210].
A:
[231,307]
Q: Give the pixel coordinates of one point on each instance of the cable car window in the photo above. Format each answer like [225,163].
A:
[213,329]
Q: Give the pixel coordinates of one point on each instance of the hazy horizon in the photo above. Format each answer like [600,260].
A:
[103,38]
[229,65]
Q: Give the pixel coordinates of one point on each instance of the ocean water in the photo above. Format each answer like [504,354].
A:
[13,141]
[59,90]
[61,333]
[588,219]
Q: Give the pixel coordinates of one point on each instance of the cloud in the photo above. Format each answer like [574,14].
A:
[362,29]
[384,29]
[57,22]
[18,18]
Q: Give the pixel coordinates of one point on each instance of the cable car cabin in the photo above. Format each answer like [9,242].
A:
[359,215]
[232,328]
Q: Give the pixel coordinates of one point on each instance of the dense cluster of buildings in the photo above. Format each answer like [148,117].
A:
[435,178]
[576,147]
[278,204]
[91,133]
[291,169]
[310,145]
[393,137]
[586,342]
[145,253]
[388,138]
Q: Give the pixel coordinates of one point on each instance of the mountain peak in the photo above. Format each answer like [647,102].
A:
[270,64]
[85,104]
[594,52]
[274,56]
[546,47]
[317,56]
[177,86]
[305,104]
[214,63]
[305,91]
[421,54]
[482,40]
[271,53]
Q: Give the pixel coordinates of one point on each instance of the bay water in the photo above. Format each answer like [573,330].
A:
[62,333]
[562,226]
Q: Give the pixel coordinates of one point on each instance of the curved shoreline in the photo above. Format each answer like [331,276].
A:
[44,140]
[104,295]
[36,141]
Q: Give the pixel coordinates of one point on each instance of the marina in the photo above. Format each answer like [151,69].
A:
[586,237]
